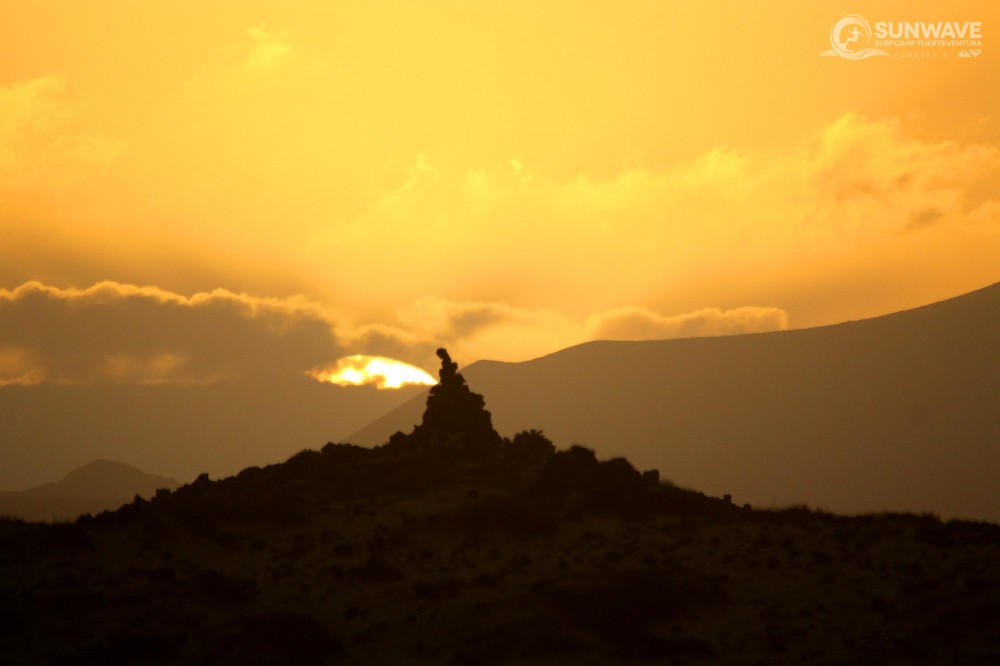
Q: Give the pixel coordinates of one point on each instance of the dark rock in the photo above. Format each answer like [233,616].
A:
[455,421]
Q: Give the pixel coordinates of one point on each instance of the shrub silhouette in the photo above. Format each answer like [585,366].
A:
[612,485]
[530,446]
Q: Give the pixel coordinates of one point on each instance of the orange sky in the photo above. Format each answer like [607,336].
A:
[504,178]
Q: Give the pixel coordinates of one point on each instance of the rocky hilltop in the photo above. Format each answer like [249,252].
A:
[452,544]
[896,413]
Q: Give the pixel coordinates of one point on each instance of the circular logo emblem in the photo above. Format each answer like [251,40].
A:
[850,35]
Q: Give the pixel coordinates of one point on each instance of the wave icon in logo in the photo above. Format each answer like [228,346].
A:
[849,39]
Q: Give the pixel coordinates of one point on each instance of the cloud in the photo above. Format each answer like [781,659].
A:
[634,323]
[458,319]
[38,142]
[471,330]
[855,197]
[923,218]
[28,107]
[483,329]
[127,334]
[869,173]
[18,366]
[497,330]
[113,332]
[855,190]
[268,48]
[857,180]
[121,333]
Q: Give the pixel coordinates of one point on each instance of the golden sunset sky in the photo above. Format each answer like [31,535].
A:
[503,178]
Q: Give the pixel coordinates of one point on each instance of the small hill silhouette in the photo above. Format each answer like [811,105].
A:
[100,485]
[104,478]
[452,544]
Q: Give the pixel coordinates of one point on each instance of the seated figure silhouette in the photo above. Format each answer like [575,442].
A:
[449,369]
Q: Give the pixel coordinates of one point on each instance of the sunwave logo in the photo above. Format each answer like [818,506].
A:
[849,39]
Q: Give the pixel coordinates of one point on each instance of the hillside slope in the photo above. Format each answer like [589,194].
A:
[900,412]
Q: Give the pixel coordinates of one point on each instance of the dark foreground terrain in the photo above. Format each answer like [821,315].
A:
[453,545]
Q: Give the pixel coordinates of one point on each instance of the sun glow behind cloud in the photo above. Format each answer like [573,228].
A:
[383,373]
[506,179]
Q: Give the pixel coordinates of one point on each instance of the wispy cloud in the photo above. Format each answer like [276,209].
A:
[634,323]
[497,330]
[268,48]
[37,137]
[19,366]
[25,107]
[857,187]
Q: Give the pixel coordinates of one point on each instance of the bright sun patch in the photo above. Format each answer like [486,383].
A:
[384,373]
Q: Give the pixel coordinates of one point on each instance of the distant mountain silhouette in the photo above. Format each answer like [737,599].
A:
[179,430]
[97,486]
[452,545]
[894,413]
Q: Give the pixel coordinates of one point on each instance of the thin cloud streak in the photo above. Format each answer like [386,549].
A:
[632,323]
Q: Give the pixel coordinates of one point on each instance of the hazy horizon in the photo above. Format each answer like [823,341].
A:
[216,223]
[726,415]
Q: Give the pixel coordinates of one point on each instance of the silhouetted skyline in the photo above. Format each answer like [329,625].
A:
[452,544]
